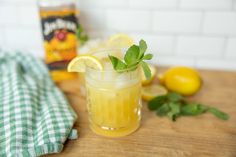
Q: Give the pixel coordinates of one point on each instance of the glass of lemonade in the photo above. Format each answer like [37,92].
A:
[113,99]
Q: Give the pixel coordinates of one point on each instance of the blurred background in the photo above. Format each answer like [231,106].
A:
[198,33]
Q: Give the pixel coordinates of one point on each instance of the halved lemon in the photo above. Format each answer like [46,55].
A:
[120,41]
[153,74]
[79,63]
[151,91]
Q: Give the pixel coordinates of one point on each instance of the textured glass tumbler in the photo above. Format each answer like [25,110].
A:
[113,101]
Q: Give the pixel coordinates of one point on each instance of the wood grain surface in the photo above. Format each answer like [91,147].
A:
[202,136]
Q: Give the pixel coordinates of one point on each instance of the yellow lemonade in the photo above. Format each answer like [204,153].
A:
[114,101]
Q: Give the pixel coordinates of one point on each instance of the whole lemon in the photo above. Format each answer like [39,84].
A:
[183,80]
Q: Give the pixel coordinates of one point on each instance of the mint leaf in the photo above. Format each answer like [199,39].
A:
[83,39]
[219,114]
[163,110]
[132,55]
[146,69]
[81,35]
[193,109]
[174,97]
[133,58]
[147,57]
[156,102]
[117,63]
[174,105]
[142,48]
[174,111]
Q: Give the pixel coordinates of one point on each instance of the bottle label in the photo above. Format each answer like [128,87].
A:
[59,34]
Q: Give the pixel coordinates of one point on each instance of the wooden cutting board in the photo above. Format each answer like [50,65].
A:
[202,136]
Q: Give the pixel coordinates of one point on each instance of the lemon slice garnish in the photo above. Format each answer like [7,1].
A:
[79,63]
[151,91]
[120,41]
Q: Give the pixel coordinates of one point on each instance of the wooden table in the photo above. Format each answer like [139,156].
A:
[200,136]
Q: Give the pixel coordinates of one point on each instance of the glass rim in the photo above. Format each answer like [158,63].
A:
[131,69]
[111,70]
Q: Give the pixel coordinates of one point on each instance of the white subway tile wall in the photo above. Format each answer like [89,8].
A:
[2,37]
[199,46]
[102,3]
[231,48]
[128,20]
[153,4]
[9,15]
[220,23]
[198,33]
[177,21]
[93,19]
[206,4]
[30,13]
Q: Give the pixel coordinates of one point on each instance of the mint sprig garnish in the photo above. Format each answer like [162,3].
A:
[134,55]
[173,105]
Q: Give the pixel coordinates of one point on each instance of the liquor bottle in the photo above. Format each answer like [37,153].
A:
[59,25]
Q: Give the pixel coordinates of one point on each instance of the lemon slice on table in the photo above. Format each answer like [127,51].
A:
[79,63]
[151,91]
[153,74]
[120,41]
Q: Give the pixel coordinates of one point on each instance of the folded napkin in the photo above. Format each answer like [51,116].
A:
[35,118]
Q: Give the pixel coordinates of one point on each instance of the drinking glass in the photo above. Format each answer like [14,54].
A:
[113,100]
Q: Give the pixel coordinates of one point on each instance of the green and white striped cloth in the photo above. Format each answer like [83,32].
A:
[35,117]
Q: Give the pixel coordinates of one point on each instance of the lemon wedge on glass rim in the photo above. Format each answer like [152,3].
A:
[79,63]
